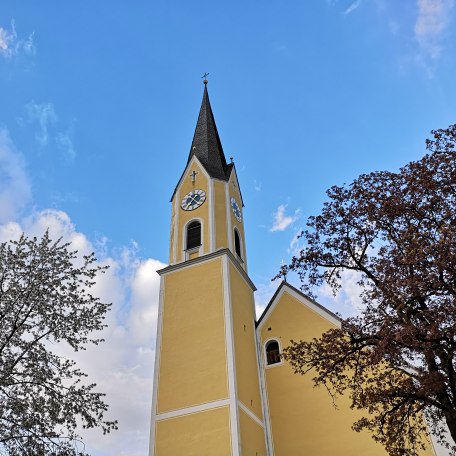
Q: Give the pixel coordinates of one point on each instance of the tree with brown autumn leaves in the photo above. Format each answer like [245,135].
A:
[396,359]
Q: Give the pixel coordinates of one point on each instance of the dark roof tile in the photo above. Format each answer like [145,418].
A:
[206,143]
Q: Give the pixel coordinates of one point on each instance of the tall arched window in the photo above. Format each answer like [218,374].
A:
[272,352]
[237,243]
[193,235]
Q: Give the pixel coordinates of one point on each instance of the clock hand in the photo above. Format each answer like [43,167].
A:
[194,199]
[190,202]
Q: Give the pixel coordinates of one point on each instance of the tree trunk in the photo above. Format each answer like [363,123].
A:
[450,419]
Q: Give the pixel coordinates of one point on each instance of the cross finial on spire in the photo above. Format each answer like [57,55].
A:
[204,77]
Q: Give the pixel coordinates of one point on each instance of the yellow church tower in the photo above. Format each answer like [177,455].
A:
[221,386]
[207,396]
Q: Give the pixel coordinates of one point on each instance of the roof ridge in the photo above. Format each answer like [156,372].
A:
[284,283]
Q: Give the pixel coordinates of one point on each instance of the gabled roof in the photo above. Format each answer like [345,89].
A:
[318,306]
[206,144]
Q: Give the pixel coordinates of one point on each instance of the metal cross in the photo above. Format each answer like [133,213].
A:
[205,75]
[193,175]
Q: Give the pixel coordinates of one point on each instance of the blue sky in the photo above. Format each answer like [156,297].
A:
[99,101]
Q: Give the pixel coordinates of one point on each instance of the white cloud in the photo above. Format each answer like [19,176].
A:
[14,185]
[45,115]
[122,366]
[65,143]
[354,5]
[282,221]
[263,295]
[295,245]
[347,301]
[10,45]
[257,185]
[431,23]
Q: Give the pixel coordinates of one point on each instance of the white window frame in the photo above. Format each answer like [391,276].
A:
[198,249]
[280,363]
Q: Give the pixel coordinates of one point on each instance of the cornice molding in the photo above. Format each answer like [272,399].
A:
[207,257]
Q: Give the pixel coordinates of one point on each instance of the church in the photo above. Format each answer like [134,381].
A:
[221,386]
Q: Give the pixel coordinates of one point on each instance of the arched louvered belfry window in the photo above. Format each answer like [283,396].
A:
[237,243]
[272,352]
[193,235]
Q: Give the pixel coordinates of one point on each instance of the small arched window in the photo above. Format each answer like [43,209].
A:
[237,244]
[193,235]
[272,352]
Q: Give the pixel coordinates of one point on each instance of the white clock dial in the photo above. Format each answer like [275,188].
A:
[193,200]
[236,210]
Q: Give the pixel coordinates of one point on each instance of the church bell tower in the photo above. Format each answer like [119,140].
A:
[207,397]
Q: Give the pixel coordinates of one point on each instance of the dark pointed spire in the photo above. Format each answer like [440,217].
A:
[206,143]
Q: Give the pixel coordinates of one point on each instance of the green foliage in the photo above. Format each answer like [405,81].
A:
[45,299]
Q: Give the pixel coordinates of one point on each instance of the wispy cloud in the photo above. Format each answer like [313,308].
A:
[257,185]
[347,301]
[11,45]
[295,245]
[281,220]
[44,114]
[49,128]
[431,23]
[263,295]
[393,26]
[352,7]
[14,184]
[65,144]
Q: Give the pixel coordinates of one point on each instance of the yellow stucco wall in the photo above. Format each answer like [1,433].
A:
[179,217]
[202,212]
[193,354]
[303,419]
[248,385]
[198,434]
[252,436]
[221,227]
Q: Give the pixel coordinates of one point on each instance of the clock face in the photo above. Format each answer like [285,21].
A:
[236,210]
[193,199]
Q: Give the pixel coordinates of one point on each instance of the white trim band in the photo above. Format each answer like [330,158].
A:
[248,412]
[193,409]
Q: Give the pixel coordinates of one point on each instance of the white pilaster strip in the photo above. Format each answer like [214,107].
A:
[211,216]
[250,413]
[244,245]
[231,365]
[264,395]
[193,409]
[157,366]
[176,224]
